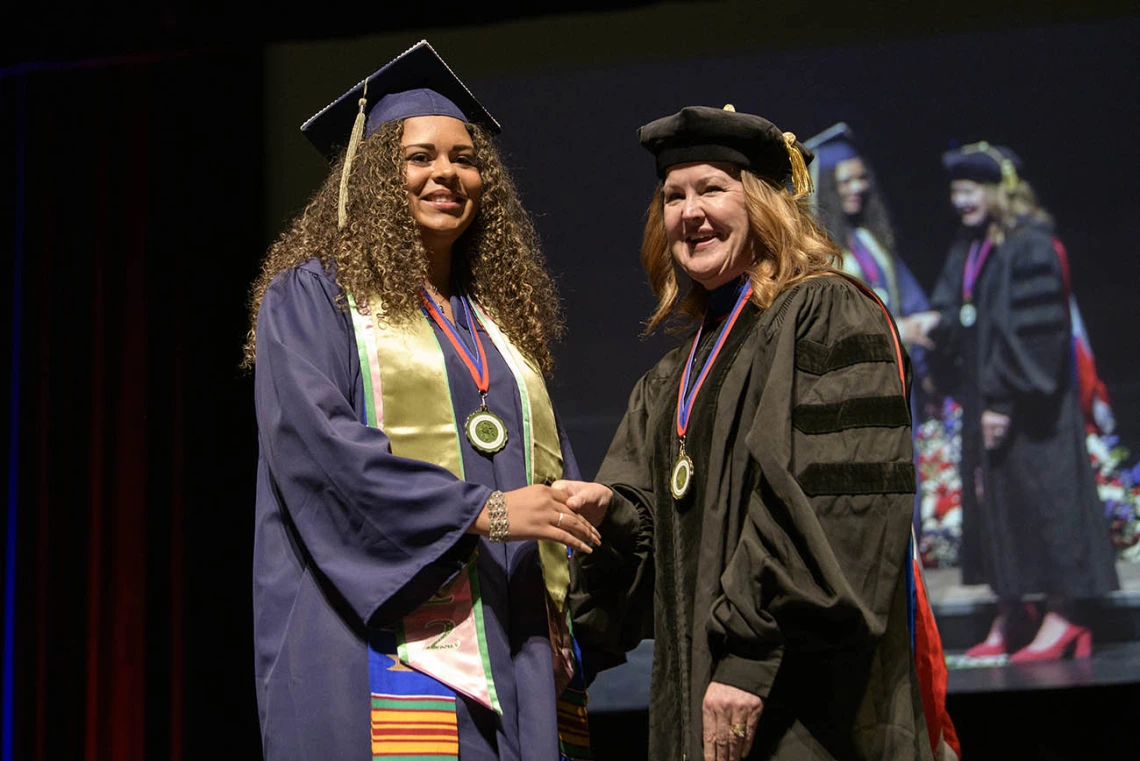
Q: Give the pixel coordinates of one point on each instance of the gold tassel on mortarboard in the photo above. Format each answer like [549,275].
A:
[349,154]
[801,178]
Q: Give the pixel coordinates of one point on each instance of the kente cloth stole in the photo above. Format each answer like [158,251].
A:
[573,725]
[413,715]
[408,396]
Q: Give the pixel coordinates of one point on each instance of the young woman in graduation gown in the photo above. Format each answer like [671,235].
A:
[1032,520]
[755,504]
[410,562]
[851,207]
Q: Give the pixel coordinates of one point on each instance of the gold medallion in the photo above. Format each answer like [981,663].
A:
[486,431]
[681,477]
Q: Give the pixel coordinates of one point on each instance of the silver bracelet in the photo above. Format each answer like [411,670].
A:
[497,513]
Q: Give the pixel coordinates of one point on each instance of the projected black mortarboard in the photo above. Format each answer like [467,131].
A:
[703,134]
[415,83]
[985,163]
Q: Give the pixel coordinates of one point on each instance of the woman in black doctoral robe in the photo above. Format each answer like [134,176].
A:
[1031,518]
[755,504]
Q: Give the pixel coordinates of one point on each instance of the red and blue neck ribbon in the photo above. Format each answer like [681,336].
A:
[476,358]
[686,396]
[975,260]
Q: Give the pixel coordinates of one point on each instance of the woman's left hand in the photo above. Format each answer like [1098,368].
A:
[730,717]
[914,329]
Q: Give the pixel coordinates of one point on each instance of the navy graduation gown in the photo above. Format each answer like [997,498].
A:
[349,538]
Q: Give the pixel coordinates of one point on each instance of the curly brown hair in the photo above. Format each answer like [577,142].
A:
[379,256]
[791,247]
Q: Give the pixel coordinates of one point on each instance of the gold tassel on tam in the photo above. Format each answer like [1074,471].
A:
[1009,178]
[801,178]
[349,154]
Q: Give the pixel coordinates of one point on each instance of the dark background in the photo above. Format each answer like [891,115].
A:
[150,153]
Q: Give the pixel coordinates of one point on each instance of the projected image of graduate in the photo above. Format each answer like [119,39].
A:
[850,204]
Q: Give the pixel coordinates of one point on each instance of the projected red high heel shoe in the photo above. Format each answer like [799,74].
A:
[1075,639]
[987,649]
[994,644]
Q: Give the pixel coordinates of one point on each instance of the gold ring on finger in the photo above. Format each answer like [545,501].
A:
[738,729]
[560,517]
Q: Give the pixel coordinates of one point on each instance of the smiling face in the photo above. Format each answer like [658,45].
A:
[971,201]
[442,178]
[706,222]
[853,185]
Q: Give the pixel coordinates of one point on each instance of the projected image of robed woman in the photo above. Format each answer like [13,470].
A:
[1032,520]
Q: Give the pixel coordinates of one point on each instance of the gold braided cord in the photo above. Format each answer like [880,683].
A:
[801,178]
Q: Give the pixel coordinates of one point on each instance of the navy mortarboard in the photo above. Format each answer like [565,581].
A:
[982,162]
[834,144]
[415,83]
[703,134]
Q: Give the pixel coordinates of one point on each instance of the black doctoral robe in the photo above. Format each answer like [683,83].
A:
[782,571]
[1039,525]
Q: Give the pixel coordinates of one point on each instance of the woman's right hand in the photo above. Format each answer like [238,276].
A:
[540,512]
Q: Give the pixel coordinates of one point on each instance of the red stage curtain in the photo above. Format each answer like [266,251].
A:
[138,183]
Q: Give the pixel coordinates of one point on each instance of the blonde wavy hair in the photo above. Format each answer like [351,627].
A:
[790,248]
[1024,204]
[379,259]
